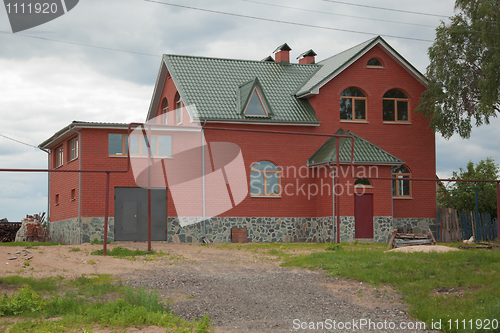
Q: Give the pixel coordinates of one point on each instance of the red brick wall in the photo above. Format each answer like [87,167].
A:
[61,184]
[413,143]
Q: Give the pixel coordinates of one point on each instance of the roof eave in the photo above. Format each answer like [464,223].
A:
[357,163]
[257,122]
[65,132]
[379,40]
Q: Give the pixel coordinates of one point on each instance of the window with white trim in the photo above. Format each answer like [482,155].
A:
[59,156]
[73,149]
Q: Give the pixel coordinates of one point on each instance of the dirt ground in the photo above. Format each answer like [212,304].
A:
[207,263]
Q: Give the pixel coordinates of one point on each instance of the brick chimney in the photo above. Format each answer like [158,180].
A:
[307,57]
[283,53]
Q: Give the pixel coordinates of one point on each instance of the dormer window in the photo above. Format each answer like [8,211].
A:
[251,100]
[374,63]
[255,107]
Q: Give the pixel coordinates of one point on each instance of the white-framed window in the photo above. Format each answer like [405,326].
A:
[164,111]
[73,148]
[59,156]
[178,110]
[160,145]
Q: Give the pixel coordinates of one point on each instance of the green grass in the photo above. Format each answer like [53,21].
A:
[475,274]
[104,304]
[74,249]
[98,241]
[120,252]
[30,245]
[45,284]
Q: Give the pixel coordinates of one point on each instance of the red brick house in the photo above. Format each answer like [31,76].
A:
[368,92]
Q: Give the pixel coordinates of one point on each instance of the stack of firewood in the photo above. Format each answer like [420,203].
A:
[8,231]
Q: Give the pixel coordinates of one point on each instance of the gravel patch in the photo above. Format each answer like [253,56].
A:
[270,298]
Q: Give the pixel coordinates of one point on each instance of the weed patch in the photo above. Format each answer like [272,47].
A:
[418,276]
[71,313]
[120,252]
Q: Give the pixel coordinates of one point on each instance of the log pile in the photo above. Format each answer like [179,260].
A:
[8,231]
[400,238]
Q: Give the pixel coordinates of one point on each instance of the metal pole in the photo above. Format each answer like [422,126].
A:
[477,216]
[498,210]
[149,188]
[337,182]
[105,243]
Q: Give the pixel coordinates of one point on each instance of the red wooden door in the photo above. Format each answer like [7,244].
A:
[363,215]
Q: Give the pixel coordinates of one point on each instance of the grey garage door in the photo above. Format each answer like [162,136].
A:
[131,214]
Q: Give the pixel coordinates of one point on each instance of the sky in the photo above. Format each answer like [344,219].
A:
[99,62]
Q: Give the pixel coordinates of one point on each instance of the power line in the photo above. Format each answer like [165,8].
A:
[285,22]
[383,8]
[81,44]
[344,15]
[27,144]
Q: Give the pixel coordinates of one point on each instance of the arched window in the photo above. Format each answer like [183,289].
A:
[178,109]
[395,106]
[374,62]
[164,111]
[363,182]
[352,104]
[265,180]
[401,187]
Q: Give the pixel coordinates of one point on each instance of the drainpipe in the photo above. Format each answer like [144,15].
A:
[203,173]
[48,183]
[79,174]
[334,234]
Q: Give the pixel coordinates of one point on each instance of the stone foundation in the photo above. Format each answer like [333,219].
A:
[276,229]
[74,231]
[259,229]
[419,226]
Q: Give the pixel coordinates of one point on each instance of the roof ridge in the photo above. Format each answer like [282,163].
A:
[349,49]
[242,60]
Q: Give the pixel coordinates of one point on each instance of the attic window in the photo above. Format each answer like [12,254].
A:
[374,63]
[255,108]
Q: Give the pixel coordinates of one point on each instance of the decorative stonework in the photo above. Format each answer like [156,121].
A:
[259,229]
[419,226]
[73,231]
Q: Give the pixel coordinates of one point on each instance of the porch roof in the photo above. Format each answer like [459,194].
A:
[365,152]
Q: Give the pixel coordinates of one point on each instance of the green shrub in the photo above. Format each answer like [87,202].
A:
[24,301]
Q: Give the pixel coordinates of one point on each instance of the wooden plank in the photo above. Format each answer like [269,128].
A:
[401,242]
[391,240]
[429,232]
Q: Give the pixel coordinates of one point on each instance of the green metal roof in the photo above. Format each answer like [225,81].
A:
[212,87]
[365,152]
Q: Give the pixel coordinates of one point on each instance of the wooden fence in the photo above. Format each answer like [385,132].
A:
[456,226]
